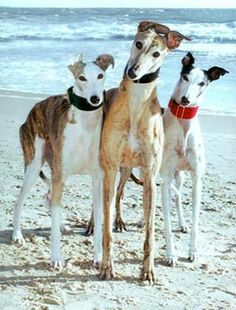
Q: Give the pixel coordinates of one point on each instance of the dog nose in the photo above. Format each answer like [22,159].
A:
[94,99]
[184,100]
[131,74]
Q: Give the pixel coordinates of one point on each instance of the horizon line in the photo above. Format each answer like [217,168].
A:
[110,7]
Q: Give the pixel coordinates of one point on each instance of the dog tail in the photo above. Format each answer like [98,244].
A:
[138,181]
[44,178]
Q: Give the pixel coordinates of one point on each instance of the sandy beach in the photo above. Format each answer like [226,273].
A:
[28,282]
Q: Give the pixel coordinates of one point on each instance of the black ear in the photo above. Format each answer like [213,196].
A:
[188,60]
[214,73]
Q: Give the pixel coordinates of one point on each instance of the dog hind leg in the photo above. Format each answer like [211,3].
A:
[124,176]
[196,203]
[31,173]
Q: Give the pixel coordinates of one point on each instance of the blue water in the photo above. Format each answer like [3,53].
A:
[36,46]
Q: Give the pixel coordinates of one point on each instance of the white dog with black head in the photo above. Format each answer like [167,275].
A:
[183,150]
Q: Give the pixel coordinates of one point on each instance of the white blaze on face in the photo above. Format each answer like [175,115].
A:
[91,82]
[191,85]
[147,54]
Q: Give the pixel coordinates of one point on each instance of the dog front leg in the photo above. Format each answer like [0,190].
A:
[196,202]
[171,258]
[97,219]
[56,257]
[149,204]
[109,194]
[179,178]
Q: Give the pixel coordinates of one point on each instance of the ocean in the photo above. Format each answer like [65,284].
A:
[37,45]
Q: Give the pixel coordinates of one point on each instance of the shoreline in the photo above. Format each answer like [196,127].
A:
[211,121]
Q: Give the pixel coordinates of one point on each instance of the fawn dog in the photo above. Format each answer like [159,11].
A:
[64,131]
[132,134]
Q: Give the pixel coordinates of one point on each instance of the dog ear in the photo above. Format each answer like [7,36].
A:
[214,73]
[173,39]
[188,60]
[104,61]
[78,65]
[158,28]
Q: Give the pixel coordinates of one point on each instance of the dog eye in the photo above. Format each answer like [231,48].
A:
[100,76]
[156,54]
[201,84]
[82,78]
[139,45]
[185,77]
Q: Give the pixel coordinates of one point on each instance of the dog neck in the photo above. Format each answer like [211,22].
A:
[185,124]
[139,92]
[140,97]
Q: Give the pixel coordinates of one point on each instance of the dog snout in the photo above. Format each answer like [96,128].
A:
[184,100]
[95,99]
[131,74]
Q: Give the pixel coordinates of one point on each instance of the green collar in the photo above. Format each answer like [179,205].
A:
[80,102]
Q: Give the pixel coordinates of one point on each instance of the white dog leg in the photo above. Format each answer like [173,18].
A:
[179,178]
[166,203]
[98,218]
[30,177]
[56,257]
[196,199]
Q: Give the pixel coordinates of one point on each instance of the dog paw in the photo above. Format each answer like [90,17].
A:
[120,224]
[148,276]
[56,264]
[96,264]
[65,229]
[17,237]
[183,229]
[97,261]
[107,272]
[193,256]
[171,260]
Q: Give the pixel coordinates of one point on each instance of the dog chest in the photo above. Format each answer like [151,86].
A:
[81,146]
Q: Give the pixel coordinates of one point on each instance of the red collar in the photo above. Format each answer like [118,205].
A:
[181,111]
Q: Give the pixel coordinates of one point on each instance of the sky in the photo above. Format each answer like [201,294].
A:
[122,3]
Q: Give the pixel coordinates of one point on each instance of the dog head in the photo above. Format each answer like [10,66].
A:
[151,44]
[90,77]
[194,81]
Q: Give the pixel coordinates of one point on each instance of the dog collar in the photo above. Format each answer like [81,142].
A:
[80,102]
[182,112]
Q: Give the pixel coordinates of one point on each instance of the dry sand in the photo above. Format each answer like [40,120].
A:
[27,281]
